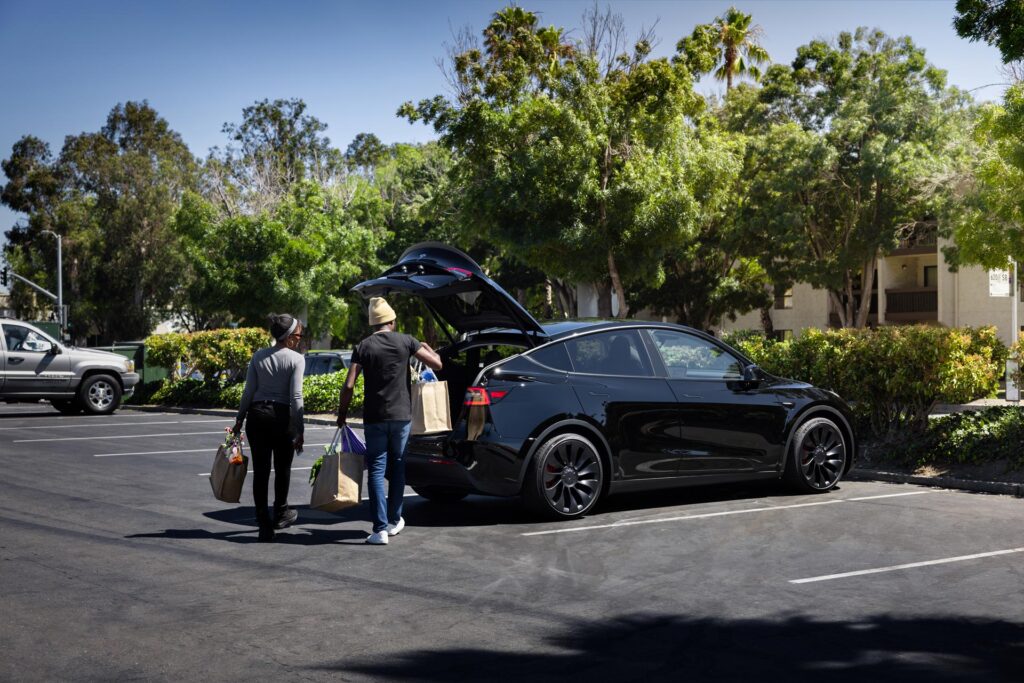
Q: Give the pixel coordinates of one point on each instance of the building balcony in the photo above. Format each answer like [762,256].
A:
[924,241]
[911,305]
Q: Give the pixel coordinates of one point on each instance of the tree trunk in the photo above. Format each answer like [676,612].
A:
[604,299]
[620,292]
[767,324]
[566,298]
[837,301]
[867,279]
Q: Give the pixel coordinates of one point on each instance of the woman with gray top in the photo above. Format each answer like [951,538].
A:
[272,411]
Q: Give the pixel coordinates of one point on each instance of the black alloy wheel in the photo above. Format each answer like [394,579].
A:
[567,477]
[819,456]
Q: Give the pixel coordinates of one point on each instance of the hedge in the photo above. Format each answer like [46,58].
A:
[319,393]
[214,353]
[969,438]
[892,376]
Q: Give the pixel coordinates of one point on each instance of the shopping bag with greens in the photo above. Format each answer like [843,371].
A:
[337,475]
[230,465]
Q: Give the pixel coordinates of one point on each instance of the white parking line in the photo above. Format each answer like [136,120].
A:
[121,436]
[206,474]
[114,424]
[707,515]
[191,450]
[133,436]
[909,565]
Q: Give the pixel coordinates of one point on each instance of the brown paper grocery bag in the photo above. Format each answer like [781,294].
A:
[338,483]
[430,409]
[227,479]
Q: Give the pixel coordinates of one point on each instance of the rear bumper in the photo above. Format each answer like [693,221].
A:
[445,460]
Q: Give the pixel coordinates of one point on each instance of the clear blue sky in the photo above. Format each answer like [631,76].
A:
[66,64]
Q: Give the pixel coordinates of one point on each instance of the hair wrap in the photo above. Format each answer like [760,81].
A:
[295,323]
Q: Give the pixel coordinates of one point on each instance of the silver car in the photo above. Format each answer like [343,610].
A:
[35,366]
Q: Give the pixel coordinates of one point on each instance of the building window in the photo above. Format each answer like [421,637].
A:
[783,298]
[782,335]
[931,276]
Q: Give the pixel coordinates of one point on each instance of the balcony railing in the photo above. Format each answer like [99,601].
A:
[923,241]
[911,304]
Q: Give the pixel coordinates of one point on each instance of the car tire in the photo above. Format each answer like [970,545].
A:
[100,394]
[67,407]
[440,494]
[817,457]
[566,478]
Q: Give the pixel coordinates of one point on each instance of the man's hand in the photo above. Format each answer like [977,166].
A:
[299,441]
[341,421]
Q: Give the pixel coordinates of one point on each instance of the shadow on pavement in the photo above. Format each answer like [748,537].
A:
[644,648]
[292,535]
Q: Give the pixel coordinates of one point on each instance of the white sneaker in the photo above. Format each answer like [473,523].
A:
[395,529]
[378,538]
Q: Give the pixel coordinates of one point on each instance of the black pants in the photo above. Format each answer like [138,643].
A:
[267,428]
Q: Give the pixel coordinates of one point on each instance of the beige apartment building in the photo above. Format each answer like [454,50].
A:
[913,284]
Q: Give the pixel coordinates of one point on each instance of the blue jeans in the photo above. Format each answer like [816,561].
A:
[385,456]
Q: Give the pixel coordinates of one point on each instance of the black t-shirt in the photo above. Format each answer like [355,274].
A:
[384,357]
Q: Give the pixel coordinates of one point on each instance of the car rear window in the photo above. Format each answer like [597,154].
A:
[554,356]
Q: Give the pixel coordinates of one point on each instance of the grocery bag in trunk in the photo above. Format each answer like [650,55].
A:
[431,411]
[227,476]
[337,484]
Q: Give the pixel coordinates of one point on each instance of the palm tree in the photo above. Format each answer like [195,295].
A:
[735,42]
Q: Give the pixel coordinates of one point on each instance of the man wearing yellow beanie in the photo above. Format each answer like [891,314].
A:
[383,358]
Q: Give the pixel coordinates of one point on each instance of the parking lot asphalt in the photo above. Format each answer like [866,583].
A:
[117,563]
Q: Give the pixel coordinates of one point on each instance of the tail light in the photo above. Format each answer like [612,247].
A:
[479,396]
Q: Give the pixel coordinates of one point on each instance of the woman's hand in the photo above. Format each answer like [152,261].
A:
[299,440]
[237,429]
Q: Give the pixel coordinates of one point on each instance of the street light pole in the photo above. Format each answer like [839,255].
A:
[60,283]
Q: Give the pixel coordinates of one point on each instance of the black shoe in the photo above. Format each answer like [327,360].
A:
[266,535]
[285,519]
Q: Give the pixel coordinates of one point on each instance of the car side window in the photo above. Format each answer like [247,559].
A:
[690,357]
[554,356]
[19,338]
[336,365]
[615,352]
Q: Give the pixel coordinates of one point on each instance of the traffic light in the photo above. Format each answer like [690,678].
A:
[3,276]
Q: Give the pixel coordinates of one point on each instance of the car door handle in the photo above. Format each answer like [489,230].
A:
[15,359]
[690,396]
[596,393]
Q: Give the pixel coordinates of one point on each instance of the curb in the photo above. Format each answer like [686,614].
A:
[997,487]
[224,412]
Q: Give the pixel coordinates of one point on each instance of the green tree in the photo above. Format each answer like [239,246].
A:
[559,148]
[276,145]
[728,46]
[997,22]
[853,135]
[986,212]
[709,275]
[112,195]
[303,256]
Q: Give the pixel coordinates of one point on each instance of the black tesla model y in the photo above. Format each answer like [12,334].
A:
[564,413]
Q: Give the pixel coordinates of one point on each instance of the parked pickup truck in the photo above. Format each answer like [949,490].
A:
[34,366]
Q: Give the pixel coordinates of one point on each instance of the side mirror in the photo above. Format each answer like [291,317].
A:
[54,348]
[752,373]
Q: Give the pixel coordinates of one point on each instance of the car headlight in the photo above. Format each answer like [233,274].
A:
[129,366]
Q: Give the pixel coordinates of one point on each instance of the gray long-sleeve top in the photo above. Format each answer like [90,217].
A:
[275,374]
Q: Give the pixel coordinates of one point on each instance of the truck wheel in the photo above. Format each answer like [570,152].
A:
[100,394]
[67,407]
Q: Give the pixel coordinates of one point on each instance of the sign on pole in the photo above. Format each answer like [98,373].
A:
[998,283]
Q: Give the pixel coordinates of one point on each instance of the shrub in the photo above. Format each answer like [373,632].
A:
[892,376]
[1016,354]
[968,438]
[319,393]
[214,353]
